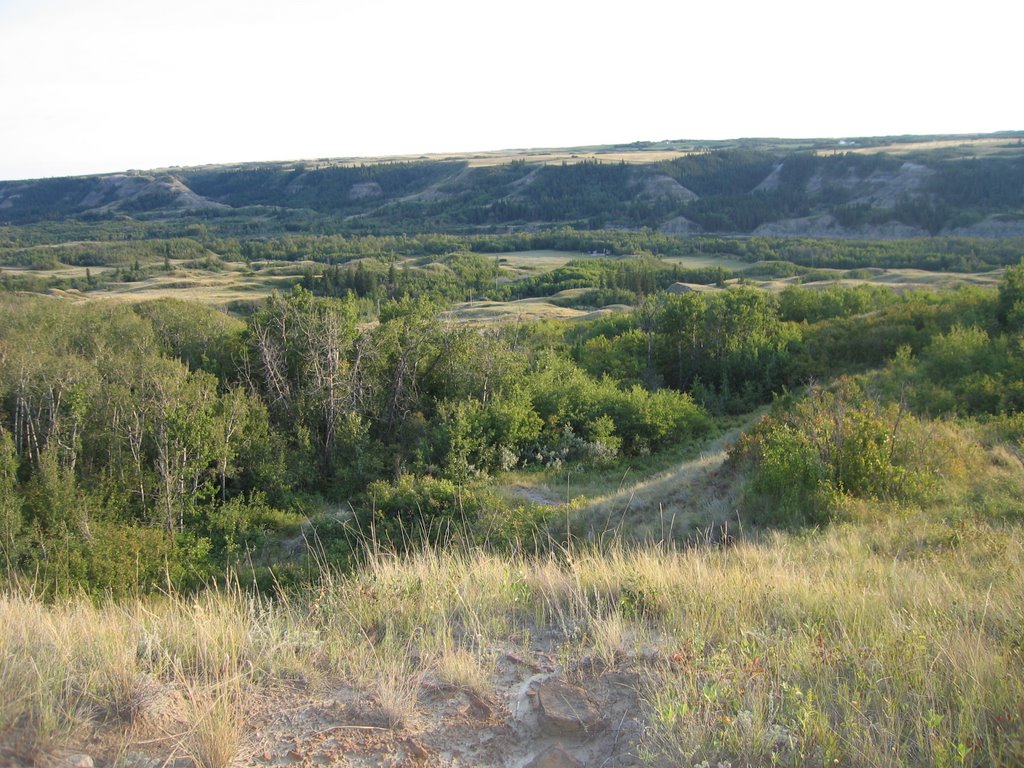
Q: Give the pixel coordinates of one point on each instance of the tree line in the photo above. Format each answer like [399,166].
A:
[172,433]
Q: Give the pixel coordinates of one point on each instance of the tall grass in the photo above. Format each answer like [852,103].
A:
[896,638]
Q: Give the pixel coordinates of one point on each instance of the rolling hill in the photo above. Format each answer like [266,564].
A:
[970,186]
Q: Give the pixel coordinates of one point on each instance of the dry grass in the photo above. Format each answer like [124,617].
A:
[974,146]
[464,669]
[395,678]
[167,668]
[524,310]
[216,717]
[539,260]
[556,156]
[894,639]
[216,288]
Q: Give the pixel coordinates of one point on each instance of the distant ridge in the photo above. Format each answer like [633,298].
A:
[891,187]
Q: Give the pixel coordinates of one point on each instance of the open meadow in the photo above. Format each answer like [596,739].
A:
[238,286]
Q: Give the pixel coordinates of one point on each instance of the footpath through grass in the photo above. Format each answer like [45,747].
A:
[896,640]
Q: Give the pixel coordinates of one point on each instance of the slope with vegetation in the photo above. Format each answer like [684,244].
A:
[757,504]
[162,444]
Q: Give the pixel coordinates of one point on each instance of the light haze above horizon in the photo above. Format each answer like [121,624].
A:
[98,86]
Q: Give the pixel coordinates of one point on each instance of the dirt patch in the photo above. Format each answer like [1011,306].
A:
[534,495]
[365,190]
[694,497]
[665,186]
[340,724]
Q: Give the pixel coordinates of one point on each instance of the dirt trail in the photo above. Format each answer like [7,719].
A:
[673,503]
[711,457]
[535,495]
[299,544]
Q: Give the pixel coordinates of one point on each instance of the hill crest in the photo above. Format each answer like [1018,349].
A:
[864,188]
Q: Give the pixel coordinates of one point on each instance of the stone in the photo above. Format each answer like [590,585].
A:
[566,710]
[477,707]
[554,757]
[416,750]
[139,760]
[77,760]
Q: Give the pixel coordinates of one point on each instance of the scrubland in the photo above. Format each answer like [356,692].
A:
[891,636]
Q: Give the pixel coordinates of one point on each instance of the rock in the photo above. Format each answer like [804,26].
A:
[554,757]
[416,750]
[77,760]
[566,710]
[139,760]
[477,707]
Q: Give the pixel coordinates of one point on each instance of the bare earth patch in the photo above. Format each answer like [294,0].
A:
[339,724]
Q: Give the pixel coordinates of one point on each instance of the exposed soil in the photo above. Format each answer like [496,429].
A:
[340,725]
[536,495]
[453,726]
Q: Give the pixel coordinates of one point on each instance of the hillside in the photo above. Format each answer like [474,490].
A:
[970,186]
[404,462]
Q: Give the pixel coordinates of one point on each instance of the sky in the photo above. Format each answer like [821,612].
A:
[94,86]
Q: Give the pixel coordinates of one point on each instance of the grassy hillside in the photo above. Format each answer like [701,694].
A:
[894,638]
[831,580]
[505,460]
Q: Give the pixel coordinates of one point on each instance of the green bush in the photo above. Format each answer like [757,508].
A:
[10,502]
[415,510]
[576,408]
[833,444]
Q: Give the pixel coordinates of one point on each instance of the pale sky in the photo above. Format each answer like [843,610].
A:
[90,86]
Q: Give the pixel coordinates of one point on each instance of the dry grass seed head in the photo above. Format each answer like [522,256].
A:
[397,686]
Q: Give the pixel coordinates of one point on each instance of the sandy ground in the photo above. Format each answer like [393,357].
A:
[453,726]
[336,723]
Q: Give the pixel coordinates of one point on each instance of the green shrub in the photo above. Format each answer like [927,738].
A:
[10,502]
[833,444]
[415,510]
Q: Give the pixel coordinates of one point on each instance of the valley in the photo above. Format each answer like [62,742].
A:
[673,453]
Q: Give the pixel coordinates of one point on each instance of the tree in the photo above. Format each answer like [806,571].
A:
[302,358]
[680,326]
[183,437]
[1010,307]
[10,501]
